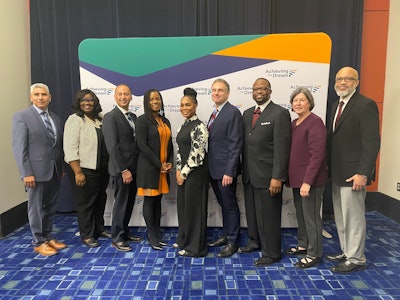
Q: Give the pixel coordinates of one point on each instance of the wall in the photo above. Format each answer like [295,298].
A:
[389,173]
[14,84]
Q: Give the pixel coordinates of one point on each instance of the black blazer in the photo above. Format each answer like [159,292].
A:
[120,141]
[354,145]
[149,164]
[266,145]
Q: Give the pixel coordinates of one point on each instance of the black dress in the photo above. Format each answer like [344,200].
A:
[192,196]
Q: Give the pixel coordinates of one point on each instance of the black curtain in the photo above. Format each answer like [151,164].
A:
[57,28]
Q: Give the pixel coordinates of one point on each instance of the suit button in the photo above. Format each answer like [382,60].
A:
[249,133]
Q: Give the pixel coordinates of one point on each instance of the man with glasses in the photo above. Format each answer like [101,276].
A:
[353,145]
[267,134]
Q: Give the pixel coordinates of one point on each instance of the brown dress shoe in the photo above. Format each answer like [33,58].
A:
[57,245]
[45,249]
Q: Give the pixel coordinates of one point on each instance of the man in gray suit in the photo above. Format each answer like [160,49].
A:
[37,145]
[267,134]
[119,136]
[353,145]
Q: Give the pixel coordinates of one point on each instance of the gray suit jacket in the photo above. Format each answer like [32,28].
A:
[120,142]
[266,145]
[33,151]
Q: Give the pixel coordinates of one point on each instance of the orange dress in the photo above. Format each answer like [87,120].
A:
[165,135]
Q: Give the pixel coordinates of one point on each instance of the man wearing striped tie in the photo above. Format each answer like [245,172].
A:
[37,145]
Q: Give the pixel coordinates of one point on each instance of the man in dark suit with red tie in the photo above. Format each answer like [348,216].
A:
[224,149]
[267,133]
[353,145]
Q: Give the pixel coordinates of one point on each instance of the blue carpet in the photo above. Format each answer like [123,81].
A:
[79,272]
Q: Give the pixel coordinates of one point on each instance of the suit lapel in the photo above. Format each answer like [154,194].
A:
[347,110]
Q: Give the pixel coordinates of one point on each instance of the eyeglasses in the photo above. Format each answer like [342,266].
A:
[346,79]
[262,89]
[86,100]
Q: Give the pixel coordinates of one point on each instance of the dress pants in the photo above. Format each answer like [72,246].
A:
[124,200]
[308,213]
[263,214]
[42,204]
[90,201]
[226,197]
[349,209]
[152,217]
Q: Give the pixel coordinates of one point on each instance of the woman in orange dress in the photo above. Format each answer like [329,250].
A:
[153,135]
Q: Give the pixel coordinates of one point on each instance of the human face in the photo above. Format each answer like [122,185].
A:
[301,105]
[346,81]
[123,96]
[87,104]
[261,91]
[155,102]
[219,93]
[188,107]
[41,98]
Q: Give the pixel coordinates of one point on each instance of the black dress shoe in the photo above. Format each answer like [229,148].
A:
[347,267]
[133,238]
[220,242]
[338,257]
[264,261]
[105,234]
[227,251]
[247,249]
[122,246]
[163,244]
[91,242]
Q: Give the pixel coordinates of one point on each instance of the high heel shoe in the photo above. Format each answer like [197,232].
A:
[157,247]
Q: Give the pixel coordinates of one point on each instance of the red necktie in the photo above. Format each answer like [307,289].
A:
[212,118]
[256,115]
[339,113]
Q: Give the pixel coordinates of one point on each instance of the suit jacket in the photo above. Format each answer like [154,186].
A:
[354,145]
[266,145]
[225,143]
[307,162]
[33,149]
[120,141]
[149,163]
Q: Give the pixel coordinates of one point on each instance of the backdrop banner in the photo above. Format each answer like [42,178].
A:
[171,64]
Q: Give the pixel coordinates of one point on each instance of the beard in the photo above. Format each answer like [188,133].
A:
[344,93]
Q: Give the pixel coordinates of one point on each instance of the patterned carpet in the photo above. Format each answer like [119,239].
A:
[79,272]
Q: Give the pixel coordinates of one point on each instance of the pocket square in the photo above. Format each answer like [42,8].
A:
[265,123]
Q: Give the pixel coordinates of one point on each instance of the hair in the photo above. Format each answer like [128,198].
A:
[76,103]
[223,81]
[39,85]
[146,106]
[191,94]
[306,93]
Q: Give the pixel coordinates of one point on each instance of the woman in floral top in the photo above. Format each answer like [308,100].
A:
[192,178]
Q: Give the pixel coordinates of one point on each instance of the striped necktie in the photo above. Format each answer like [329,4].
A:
[49,128]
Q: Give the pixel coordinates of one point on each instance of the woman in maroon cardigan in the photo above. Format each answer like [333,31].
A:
[307,176]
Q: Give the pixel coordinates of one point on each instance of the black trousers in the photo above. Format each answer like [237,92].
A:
[152,217]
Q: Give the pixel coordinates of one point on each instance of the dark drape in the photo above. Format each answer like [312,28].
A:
[57,28]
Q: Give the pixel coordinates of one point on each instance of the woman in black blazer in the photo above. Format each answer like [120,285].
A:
[153,135]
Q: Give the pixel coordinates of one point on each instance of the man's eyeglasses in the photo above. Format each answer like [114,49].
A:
[346,79]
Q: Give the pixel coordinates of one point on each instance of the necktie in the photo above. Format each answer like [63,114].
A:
[130,120]
[339,113]
[256,115]
[49,128]
[212,118]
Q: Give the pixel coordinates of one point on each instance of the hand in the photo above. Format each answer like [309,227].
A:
[127,177]
[29,181]
[275,186]
[359,182]
[227,180]
[166,167]
[305,190]
[80,179]
[179,179]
